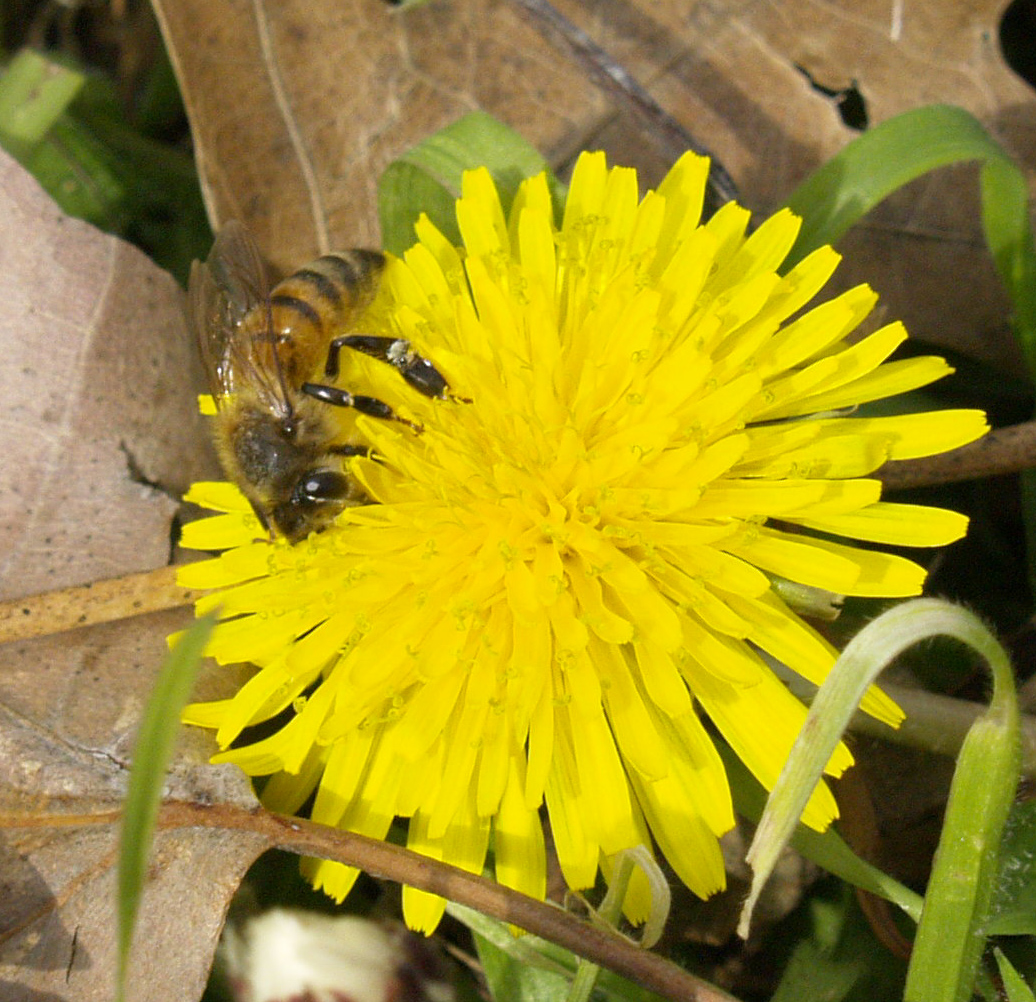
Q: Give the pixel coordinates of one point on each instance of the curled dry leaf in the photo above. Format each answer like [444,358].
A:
[297,106]
[100,428]
[99,436]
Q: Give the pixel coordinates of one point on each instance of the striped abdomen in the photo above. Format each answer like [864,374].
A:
[315,304]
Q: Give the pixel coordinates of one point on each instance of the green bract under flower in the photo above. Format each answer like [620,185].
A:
[571,567]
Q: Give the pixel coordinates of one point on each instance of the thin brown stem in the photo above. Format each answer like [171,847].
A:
[380,859]
[1004,450]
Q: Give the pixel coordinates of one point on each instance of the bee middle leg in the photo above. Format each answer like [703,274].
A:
[353,450]
[371,406]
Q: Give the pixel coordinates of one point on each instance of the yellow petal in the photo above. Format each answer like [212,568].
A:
[895,524]
[518,849]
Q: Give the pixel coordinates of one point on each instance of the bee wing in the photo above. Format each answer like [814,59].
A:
[221,293]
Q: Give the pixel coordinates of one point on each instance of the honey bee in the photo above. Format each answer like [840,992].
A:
[262,346]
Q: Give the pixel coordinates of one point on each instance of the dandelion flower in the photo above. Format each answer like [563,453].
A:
[566,583]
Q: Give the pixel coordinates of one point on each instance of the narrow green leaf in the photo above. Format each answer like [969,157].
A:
[529,969]
[904,148]
[75,169]
[827,849]
[1016,988]
[1013,912]
[949,938]
[70,133]
[981,804]
[34,93]
[405,191]
[427,179]
[1005,218]
[837,700]
[956,906]
[156,737]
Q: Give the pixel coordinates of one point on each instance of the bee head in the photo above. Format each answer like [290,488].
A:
[317,497]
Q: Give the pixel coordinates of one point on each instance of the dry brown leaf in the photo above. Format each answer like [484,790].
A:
[738,77]
[297,106]
[97,371]
[69,706]
[99,426]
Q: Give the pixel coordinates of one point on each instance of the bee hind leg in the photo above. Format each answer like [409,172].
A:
[415,369]
[371,406]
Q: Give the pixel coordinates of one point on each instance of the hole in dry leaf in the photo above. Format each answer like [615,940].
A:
[136,471]
[851,104]
[1018,39]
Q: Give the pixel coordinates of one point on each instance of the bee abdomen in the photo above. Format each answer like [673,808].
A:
[304,308]
[355,270]
[317,303]
[332,287]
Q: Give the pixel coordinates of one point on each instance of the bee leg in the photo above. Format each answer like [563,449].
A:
[371,406]
[354,450]
[415,369]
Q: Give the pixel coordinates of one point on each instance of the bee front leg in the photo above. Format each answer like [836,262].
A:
[371,406]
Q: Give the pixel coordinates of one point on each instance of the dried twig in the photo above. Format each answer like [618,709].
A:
[1005,450]
[89,604]
[392,862]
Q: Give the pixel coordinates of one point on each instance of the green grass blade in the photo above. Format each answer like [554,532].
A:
[156,737]
[827,849]
[69,131]
[427,178]
[951,934]
[904,148]
[860,663]
[75,169]
[1005,218]
[34,93]
[1016,989]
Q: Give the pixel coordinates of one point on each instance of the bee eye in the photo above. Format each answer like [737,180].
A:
[321,486]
